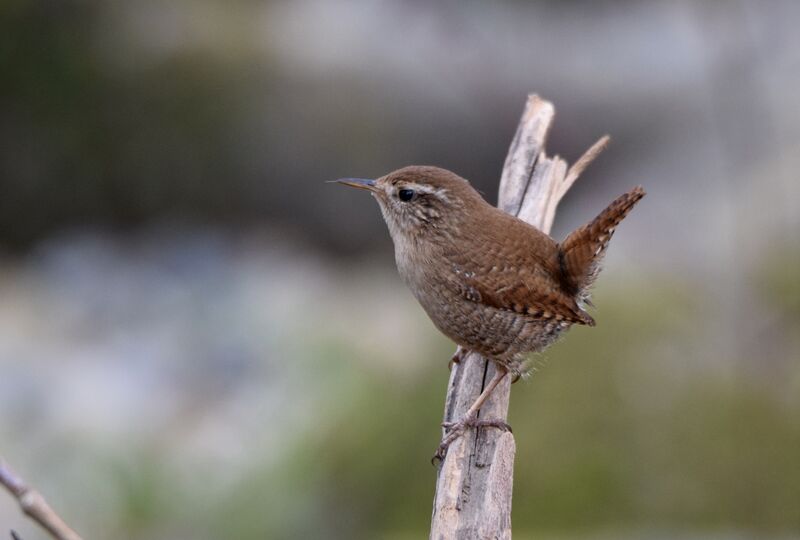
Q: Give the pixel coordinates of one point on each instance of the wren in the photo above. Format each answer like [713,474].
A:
[489,281]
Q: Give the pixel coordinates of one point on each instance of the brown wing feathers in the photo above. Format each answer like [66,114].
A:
[539,304]
[554,286]
[582,251]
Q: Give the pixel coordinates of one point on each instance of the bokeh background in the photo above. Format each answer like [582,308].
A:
[199,338]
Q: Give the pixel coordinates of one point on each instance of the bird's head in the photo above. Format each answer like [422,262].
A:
[417,200]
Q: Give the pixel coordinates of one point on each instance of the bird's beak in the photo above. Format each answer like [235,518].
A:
[360,183]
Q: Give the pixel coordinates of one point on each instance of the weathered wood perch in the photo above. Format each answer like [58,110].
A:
[475,480]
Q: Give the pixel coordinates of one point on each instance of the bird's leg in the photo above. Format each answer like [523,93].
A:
[457,357]
[470,419]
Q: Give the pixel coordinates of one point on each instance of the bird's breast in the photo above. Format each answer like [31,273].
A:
[429,276]
[414,265]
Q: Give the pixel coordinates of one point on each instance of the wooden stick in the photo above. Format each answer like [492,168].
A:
[475,480]
[34,506]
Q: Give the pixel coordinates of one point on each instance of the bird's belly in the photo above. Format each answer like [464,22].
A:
[502,335]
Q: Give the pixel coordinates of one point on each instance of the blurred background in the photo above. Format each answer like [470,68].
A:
[199,338]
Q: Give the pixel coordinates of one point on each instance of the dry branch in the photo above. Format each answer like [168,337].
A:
[34,506]
[475,480]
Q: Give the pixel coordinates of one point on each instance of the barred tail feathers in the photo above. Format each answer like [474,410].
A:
[582,251]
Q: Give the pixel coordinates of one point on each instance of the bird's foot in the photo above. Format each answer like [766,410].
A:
[456,429]
[457,357]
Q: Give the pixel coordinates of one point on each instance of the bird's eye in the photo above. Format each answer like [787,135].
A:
[405,195]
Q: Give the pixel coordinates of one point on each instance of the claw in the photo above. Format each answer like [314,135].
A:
[438,456]
[455,430]
[457,357]
[499,424]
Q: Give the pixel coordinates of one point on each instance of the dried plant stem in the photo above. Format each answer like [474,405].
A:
[34,506]
[474,482]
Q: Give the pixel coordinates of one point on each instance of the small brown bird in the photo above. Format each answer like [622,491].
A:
[489,281]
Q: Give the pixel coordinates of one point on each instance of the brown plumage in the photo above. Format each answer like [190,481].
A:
[582,251]
[489,281]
